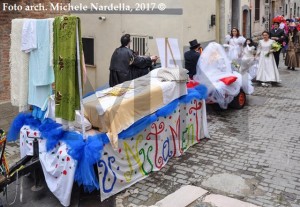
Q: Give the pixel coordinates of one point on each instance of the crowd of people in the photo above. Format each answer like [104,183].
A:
[245,53]
[265,54]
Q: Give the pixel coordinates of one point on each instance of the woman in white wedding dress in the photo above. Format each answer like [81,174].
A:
[235,42]
[267,70]
[248,66]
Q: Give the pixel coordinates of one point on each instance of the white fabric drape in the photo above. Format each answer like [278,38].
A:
[18,67]
[212,66]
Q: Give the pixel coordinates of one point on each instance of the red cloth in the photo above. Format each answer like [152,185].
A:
[192,84]
[228,80]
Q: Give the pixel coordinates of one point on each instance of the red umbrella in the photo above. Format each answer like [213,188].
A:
[278,19]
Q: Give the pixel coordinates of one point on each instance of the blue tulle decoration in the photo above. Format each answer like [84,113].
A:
[48,125]
[76,148]
[90,154]
[202,90]
[53,137]
[33,122]
[138,126]
[168,109]
[193,94]
[17,124]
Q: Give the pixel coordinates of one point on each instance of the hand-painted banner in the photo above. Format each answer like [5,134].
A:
[58,167]
[151,149]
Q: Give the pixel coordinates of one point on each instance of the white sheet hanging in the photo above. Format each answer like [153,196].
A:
[171,49]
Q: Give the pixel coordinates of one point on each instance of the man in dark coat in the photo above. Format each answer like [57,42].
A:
[278,35]
[191,58]
[125,65]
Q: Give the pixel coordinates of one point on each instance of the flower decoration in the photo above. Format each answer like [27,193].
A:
[275,47]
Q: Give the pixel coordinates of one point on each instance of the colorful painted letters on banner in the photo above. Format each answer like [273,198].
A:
[151,149]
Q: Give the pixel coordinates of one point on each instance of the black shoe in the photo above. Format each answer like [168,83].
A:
[293,68]
[288,68]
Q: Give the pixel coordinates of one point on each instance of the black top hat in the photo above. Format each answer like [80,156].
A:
[194,44]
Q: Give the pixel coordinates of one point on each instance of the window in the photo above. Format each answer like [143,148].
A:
[139,44]
[286,9]
[298,11]
[257,10]
[88,50]
[295,6]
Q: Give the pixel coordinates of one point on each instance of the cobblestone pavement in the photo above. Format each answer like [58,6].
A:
[260,144]
[257,148]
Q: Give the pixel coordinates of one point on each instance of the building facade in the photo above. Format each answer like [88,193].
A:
[184,20]
[290,8]
[193,20]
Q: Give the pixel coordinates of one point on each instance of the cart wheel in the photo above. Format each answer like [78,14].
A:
[239,101]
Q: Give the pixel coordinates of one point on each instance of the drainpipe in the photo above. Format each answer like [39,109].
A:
[250,14]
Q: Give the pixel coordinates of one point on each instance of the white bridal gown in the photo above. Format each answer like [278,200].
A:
[235,47]
[267,69]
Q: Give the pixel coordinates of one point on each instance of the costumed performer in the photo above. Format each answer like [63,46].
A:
[292,60]
[126,65]
[191,57]
[267,71]
[248,65]
[277,35]
[235,42]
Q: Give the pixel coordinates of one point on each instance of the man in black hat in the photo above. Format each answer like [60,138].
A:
[277,34]
[191,57]
[126,65]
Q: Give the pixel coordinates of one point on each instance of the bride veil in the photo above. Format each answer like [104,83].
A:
[213,65]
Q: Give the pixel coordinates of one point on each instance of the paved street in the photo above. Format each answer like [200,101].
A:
[253,155]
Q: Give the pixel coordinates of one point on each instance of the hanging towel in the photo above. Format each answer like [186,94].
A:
[41,74]
[29,40]
[39,60]
[65,67]
[18,67]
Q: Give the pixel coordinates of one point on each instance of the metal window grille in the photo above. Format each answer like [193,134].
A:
[139,44]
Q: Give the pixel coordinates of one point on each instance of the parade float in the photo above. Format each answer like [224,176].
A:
[227,83]
[137,126]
